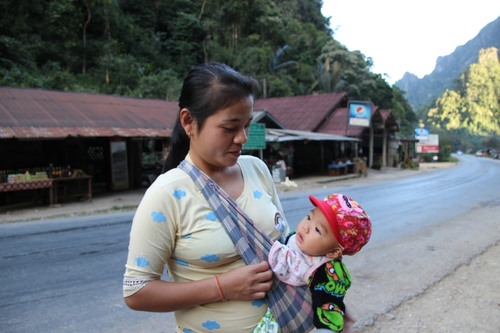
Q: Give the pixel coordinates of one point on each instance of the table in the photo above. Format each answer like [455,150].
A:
[334,169]
[28,185]
[25,185]
[60,184]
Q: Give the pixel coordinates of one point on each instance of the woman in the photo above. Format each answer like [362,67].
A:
[211,286]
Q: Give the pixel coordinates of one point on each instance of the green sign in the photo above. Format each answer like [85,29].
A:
[256,137]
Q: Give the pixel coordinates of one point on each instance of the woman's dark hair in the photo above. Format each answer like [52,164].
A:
[207,89]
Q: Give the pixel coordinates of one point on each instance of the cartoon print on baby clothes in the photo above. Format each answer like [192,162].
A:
[339,280]
[331,316]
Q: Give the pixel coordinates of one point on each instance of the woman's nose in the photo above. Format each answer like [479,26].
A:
[242,136]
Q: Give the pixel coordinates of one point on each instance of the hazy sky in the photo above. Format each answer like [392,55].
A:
[404,36]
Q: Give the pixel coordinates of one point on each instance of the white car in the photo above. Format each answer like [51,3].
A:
[479,153]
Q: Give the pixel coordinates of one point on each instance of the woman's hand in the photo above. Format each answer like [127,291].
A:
[247,282]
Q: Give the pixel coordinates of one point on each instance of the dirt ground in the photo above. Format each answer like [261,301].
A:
[465,299]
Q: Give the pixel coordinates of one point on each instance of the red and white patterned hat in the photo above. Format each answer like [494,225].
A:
[349,222]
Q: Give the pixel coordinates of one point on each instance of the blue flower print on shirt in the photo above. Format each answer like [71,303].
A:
[179,194]
[141,262]
[187,330]
[181,262]
[187,236]
[259,302]
[210,257]
[211,325]
[211,216]
[158,217]
[257,194]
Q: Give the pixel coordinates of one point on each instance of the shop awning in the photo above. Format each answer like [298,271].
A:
[282,135]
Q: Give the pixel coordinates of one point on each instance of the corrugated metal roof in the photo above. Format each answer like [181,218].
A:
[35,113]
[337,124]
[280,135]
[389,120]
[305,113]
[32,113]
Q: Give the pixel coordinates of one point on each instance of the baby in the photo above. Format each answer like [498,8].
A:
[313,253]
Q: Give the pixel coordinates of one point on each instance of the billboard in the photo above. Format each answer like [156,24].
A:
[360,113]
[422,134]
[431,145]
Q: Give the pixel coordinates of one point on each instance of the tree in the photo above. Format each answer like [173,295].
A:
[474,105]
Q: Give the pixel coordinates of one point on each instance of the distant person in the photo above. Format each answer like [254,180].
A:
[313,256]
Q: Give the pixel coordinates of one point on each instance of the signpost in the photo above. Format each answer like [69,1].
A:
[360,113]
[256,137]
[431,145]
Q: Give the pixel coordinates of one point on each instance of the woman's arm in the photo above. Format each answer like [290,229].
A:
[243,284]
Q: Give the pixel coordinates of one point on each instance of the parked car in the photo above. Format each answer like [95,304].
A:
[479,153]
[495,153]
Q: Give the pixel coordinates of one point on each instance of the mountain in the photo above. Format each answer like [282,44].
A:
[421,92]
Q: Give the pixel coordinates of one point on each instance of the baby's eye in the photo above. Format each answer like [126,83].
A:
[308,217]
[317,230]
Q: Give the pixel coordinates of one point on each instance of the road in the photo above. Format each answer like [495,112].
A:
[65,275]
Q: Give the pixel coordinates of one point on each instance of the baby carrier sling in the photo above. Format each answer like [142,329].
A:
[290,305]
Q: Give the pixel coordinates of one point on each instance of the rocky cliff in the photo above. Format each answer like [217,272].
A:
[422,92]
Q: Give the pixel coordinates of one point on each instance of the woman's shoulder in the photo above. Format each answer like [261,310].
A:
[252,161]
[171,179]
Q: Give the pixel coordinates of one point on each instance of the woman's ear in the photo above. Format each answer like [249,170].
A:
[187,121]
[335,254]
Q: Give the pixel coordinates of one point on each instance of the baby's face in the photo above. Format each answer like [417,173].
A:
[314,235]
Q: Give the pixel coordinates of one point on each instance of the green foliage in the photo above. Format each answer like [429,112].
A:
[144,48]
[473,108]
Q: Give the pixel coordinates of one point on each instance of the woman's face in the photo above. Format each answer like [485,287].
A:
[219,142]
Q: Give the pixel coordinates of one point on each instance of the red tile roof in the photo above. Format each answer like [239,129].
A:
[305,113]
[336,124]
[30,113]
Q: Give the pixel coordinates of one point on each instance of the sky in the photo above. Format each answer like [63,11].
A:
[403,36]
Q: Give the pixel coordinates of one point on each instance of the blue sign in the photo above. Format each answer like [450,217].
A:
[422,133]
[360,113]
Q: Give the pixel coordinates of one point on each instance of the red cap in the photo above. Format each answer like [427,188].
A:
[350,224]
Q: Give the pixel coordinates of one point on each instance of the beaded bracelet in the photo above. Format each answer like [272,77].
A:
[219,288]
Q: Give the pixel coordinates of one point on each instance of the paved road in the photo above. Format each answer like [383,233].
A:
[65,275]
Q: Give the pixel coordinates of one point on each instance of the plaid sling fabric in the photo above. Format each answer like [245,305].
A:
[291,306]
